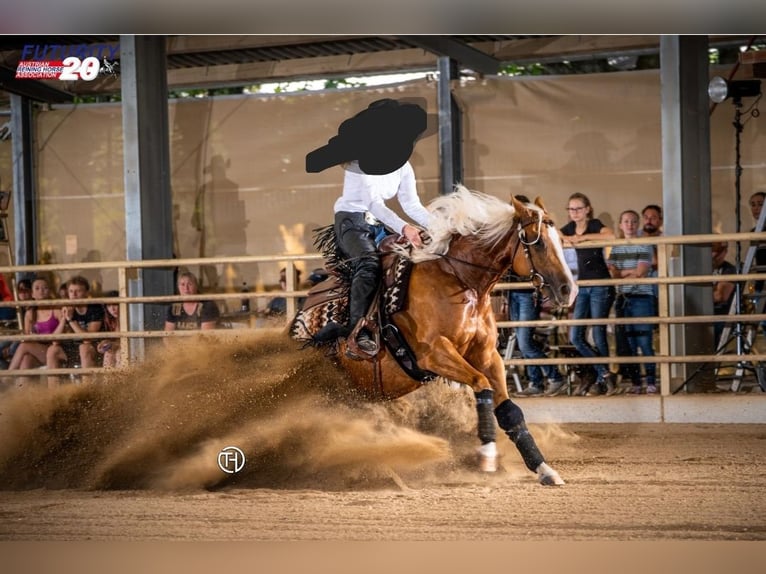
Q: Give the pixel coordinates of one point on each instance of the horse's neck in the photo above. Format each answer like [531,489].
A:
[481,266]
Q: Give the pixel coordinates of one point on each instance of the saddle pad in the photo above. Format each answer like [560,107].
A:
[395,296]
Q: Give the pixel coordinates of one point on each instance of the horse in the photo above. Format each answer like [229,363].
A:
[447,320]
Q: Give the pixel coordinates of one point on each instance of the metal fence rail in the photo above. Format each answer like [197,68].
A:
[664,319]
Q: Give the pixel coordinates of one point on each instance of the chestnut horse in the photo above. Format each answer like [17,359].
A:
[448,321]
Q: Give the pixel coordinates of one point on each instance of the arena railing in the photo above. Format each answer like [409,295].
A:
[127,270]
[664,319]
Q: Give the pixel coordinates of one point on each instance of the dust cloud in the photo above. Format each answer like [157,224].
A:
[294,414]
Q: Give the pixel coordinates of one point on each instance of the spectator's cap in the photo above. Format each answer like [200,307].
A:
[380,138]
[318,275]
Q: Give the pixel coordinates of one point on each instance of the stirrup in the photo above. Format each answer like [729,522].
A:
[360,345]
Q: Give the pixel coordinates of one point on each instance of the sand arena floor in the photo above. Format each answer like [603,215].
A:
[134,458]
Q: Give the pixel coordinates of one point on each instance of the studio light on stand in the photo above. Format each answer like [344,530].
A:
[720,90]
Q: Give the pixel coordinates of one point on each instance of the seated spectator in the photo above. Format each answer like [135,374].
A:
[191,315]
[317,276]
[6,313]
[42,320]
[8,348]
[627,262]
[723,291]
[87,318]
[278,305]
[109,349]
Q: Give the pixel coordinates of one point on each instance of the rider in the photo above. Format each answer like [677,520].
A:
[374,147]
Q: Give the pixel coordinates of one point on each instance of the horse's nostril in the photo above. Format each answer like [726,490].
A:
[565,290]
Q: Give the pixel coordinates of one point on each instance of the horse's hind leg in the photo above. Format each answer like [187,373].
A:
[511,420]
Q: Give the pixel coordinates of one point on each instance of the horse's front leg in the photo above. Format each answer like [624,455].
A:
[510,417]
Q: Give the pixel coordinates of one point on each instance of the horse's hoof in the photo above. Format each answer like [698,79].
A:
[488,457]
[549,477]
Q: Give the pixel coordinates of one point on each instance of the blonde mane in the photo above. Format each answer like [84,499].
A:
[464,212]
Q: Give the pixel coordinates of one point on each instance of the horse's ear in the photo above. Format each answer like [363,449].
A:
[517,205]
[539,203]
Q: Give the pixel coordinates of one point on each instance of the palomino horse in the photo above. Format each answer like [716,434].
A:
[448,321]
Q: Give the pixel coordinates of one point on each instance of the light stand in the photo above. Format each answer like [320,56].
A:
[719,90]
[739,333]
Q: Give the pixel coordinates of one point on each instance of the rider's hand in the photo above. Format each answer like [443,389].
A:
[412,234]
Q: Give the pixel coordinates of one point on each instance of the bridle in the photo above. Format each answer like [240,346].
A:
[537,280]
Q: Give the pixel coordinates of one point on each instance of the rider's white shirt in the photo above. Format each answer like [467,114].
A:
[368,193]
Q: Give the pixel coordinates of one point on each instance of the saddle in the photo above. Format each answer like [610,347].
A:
[328,301]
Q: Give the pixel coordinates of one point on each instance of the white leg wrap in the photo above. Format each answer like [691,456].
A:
[488,457]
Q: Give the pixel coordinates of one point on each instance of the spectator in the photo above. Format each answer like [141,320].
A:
[191,315]
[524,305]
[756,206]
[626,262]
[42,320]
[652,220]
[7,348]
[110,348]
[83,318]
[592,302]
[759,261]
[6,313]
[723,291]
[278,305]
[317,276]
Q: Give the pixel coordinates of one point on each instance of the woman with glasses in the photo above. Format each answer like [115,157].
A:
[592,302]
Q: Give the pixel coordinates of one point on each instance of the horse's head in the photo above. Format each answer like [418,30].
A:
[542,256]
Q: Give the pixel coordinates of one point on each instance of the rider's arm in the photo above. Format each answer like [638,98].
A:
[408,196]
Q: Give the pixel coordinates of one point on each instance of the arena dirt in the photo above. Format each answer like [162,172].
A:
[134,457]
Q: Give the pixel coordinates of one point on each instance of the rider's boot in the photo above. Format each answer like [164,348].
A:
[332,331]
[363,289]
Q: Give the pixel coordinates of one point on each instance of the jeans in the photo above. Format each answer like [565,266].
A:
[521,307]
[637,337]
[592,303]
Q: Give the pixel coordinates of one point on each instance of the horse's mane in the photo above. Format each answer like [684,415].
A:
[464,212]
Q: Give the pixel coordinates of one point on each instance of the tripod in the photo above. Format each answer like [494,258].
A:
[741,334]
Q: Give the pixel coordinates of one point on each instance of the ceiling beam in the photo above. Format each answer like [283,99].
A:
[467,56]
[574,47]
[32,89]
[411,60]
[194,44]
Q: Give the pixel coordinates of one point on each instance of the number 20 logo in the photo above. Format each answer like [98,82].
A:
[76,69]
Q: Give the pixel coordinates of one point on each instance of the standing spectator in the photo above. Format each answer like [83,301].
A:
[626,262]
[83,318]
[723,291]
[41,320]
[524,305]
[592,302]
[110,348]
[652,219]
[191,315]
[756,206]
